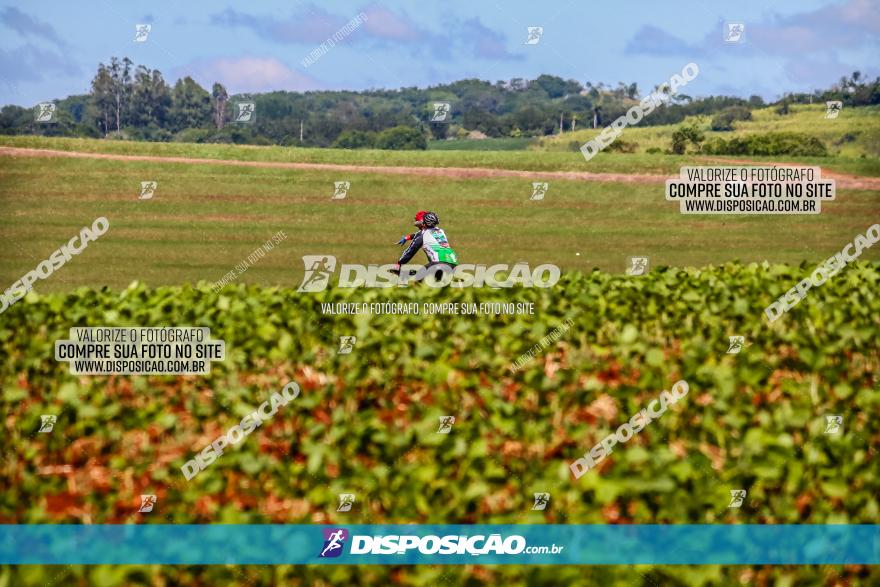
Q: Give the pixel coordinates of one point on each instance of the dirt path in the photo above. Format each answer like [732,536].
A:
[843,181]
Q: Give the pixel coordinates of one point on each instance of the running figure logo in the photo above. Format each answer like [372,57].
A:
[319,268]
[245,111]
[541,501]
[441,112]
[539,190]
[45,112]
[334,541]
[446,423]
[833,108]
[147,503]
[47,423]
[340,189]
[734,32]
[737,496]
[637,266]
[346,500]
[833,424]
[534,35]
[148,189]
[736,344]
[141,32]
[346,344]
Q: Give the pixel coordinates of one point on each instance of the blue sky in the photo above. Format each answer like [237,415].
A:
[51,49]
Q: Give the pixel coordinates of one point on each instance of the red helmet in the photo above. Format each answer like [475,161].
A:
[426,219]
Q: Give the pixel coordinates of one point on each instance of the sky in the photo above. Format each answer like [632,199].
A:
[52,49]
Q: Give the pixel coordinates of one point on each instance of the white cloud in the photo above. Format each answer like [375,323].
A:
[249,74]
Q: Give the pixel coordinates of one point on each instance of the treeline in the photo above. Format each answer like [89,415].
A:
[136,102]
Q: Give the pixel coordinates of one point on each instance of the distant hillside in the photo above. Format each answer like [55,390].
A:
[136,103]
[854,133]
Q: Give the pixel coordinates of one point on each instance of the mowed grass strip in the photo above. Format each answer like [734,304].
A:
[205,219]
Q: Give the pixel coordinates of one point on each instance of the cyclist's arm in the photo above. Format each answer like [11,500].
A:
[414,245]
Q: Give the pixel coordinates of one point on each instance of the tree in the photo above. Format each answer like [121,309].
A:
[355,139]
[555,87]
[439,130]
[684,135]
[150,98]
[190,105]
[401,138]
[632,91]
[723,121]
[14,119]
[220,97]
[120,75]
[103,102]
[756,101]
[481,120]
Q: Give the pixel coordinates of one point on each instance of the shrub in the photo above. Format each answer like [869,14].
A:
[622,146]
[193,135]
[355,139]
[149,133]
[368,420]
[401,138]
[769,144]
[684,135]
[724,120]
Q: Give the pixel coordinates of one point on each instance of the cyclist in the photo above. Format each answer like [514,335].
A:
[431,239]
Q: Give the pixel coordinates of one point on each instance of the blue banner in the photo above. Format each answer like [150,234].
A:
[565,544]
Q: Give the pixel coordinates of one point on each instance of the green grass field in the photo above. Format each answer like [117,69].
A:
[521,160]
[853,134]
[206,218]
[492,144]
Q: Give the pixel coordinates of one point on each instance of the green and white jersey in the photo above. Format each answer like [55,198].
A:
[435,244]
